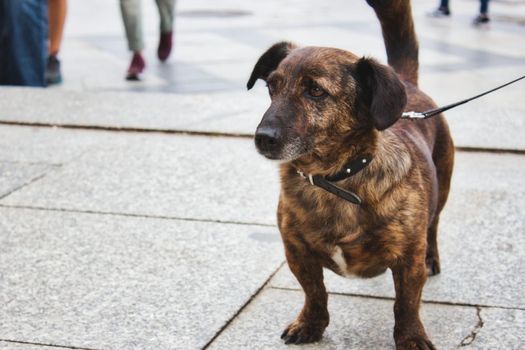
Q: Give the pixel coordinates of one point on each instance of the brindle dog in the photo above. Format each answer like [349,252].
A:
[328,107]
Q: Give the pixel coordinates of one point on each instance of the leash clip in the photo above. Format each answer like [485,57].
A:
[413,115]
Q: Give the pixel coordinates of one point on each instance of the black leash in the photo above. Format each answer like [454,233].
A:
[433,112]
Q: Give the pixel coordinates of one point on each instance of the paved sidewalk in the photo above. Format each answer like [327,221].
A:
[139,215]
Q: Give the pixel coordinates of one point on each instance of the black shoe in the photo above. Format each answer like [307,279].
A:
[53,75]
[480,20]
[440,12]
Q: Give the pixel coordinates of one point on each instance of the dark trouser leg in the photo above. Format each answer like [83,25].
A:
[484,7]
[23,42]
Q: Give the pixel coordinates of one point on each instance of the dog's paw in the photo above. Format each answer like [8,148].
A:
[415,343]
[302,332]
[433,267]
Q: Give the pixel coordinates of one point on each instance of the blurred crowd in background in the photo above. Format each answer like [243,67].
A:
[31,33]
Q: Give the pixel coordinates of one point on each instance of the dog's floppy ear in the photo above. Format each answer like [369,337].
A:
[380,92]
[269,61]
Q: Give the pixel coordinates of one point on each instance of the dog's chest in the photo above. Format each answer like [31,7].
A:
[338,233]
[348,261]
[340,261]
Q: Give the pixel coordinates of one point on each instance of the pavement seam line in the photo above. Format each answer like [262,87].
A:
[126,129]
[25,184]
[22,162]
[144,216]
[469,339]
[448,303]
[48,345]
[241,309]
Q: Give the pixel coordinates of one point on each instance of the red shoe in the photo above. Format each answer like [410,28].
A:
[136,67]
[165,44]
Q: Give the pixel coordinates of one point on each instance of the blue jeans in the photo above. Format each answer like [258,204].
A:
[23,42]
[484,7]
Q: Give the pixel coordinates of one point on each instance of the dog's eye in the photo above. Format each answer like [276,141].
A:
[316,91]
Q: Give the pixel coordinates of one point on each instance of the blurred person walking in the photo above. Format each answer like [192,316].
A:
[132,17]
[444,11]
[23,42]
[57,17]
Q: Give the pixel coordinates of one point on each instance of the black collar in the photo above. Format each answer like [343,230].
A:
[350,169]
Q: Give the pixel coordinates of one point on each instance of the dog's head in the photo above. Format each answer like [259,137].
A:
[321,95]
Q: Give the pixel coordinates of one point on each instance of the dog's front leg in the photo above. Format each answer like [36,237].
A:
[409,279]
[313,319]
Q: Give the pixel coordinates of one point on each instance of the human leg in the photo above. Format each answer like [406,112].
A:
[166,13]
[132,17]
[442,11]
[23,39]
[57,10]
[483,17]
[484,7]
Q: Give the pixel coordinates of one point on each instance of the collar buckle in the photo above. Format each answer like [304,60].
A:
[310,177]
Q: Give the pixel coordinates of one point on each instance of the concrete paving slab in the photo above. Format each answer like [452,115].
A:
[44,145]
[232,30]
[355,323]
[502,329]
[457,30]
[86,67]
[206,32]
[185,112]
[112,282]
[479,238]
[203,15]
[16,175]
[492,122]
[100,63]
[205,178]
[215,52]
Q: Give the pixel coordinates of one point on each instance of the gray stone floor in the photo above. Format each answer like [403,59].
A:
[139,215]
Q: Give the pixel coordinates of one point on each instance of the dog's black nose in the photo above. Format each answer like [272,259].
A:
[267,139]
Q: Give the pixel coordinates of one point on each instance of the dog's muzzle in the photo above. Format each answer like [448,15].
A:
[268,141]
